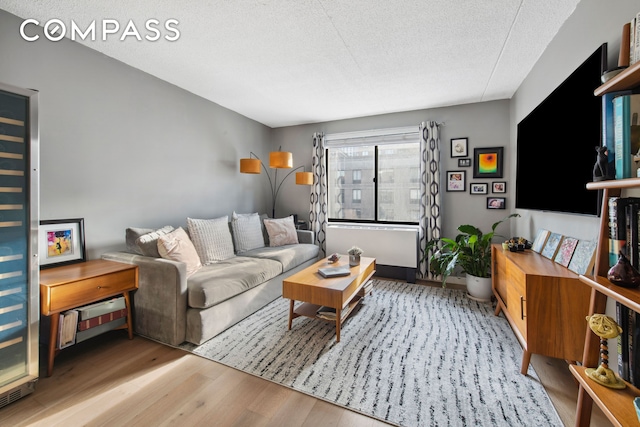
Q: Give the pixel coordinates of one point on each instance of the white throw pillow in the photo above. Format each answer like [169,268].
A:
[212,239]
[282,231]
[148,243]
[177,246]
[247,232]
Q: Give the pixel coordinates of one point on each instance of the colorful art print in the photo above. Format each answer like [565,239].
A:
[565,251]
[464,163]
[551,247]
[487,162]
[583,258]
[540,240]
[459,147]
[61,242]
[499,187]
[496,203]
[479,188]
[456,180]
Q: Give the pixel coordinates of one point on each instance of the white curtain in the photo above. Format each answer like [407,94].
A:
[430,222]
[318,209]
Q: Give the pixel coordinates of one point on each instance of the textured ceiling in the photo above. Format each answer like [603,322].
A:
[290,62]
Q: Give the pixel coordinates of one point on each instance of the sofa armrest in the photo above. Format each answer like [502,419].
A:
[306,236]
[160,303]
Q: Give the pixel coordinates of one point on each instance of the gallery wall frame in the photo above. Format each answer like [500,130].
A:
[464,163]
[487,162]
[61,242]
[479,188]
[456,181]
[496,203]
[498,187]
[459,147]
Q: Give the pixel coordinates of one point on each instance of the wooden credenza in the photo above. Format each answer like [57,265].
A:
[545,303]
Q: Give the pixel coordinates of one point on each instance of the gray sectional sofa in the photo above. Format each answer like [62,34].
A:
[172,306]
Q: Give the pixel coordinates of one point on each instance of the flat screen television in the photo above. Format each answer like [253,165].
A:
[556,144]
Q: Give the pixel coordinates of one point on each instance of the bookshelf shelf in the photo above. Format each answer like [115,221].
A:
[626,296]
[628,79]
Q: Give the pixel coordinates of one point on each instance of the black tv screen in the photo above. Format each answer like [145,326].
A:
[556,144]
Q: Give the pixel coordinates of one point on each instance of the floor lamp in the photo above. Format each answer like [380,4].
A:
[277,160]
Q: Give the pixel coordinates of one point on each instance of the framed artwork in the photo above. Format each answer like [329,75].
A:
[479,188]
[583,257]
[499,187]
[541,239]
[459,147]
[61,242]
[496,203]
[565,251]
[552,245]
[464,163]
[487,162]
[456,180]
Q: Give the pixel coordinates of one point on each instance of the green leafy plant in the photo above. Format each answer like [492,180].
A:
[470,250]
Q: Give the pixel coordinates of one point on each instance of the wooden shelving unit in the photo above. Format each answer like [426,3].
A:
[617,405]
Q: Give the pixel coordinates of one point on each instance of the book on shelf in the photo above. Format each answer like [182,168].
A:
[101,319]
[626,134]
[101,307]
[619,226]
[67,328]
[366,289]
[622,313]
[328,313]
[105,327]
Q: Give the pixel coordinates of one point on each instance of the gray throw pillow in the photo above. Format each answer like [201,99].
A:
[212,239]
[247,232]
[148,243]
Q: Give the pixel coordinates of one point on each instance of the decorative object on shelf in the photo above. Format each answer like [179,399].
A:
[354,256]
[487,162]
[61,242]
[623,273]
[479,188]
[517,244]
[604,327]
[456,180]
[333,258]
[459,147]
[470,250]
[277,160]
[601,168]
[609,74]
[496,203]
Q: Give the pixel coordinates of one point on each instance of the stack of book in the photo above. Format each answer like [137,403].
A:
[67,328]
[328,313]
[366,289]
[100,317]
[624,238]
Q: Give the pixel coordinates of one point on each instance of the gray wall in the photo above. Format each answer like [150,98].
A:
[121,148]
[594,22]
[485,124]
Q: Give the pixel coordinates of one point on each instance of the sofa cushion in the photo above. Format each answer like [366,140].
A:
[290,256]
[282,231]
[177,246]
[131,235]
[212,239]
[247,232]
[148,243]
[218,282]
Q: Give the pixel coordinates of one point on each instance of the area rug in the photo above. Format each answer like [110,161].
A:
[411,355]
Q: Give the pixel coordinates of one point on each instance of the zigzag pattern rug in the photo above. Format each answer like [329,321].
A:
[411,355]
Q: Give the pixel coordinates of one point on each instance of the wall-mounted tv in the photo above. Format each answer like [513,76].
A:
[556,144]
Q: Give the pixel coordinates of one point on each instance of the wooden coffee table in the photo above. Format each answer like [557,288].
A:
[315,291]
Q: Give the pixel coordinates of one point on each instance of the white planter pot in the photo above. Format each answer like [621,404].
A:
[479,288]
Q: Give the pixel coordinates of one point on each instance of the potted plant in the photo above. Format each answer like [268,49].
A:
[354,256]
[471,251]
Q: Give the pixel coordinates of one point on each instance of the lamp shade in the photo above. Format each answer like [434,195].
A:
[250,165]
[304,178]
[280,159]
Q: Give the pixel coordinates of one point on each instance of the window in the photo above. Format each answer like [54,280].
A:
[384,174]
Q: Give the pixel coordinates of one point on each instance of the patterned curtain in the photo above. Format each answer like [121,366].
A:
[430,223]
[318,209]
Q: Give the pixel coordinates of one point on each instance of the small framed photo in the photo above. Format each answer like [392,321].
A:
[61,242]
[496,203]
[479,188]
[499,187]
[487,162]
[456,180]
[464,163]
[459,147]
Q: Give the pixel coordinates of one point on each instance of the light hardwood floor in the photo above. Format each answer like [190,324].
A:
[113,381]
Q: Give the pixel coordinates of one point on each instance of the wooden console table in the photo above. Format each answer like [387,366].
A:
[71,286]
[544,302]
